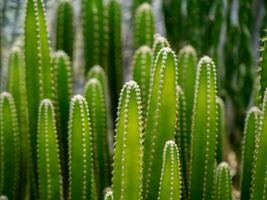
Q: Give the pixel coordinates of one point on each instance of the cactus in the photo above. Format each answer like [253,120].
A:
[160,118]
[109,195]
[80,144]
[143,26]
[65,27]
[170,180]
[9,147]
[141,70]
[16,86]
[204,131]
[95,97]
[49,170]
[223,183]
[248,147]
[136,3]
[128,153]
[159,43]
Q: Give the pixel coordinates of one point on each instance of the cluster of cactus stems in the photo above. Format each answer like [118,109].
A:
[170,128]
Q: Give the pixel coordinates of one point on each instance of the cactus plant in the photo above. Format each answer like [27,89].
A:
[143,26]
[141,70]
[170,180]
[9,147]
[80,144]
[65,27]
[159,43]
[95,97]
[49,170]
[128,152]
[204,131]
[109,195]
[160,120]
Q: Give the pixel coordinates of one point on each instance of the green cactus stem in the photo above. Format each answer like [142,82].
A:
[143,26]
[128,153]
[9,147]
[95,97]
[109,195]
[159,43]
[160,119]
[204,132]
[49,170]
[65,27]
[248,147]
[170,180]
[80,143]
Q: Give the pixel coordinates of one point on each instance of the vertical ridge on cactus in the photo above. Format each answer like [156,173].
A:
[204,131]
[95,97]
[9,147]
[170,180]
[248,147]
[143,26]
[223,183]
[128,153]
[159,43]
[65,27]
[49,169]
[160,120]
[109,195]
[80,144]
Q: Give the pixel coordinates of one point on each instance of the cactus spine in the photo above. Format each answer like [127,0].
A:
[65,27]
[161,118]
[143,26]
[170,180]
[82,181]
[204,131]
[9,147]
[49,170]
[109,195]
[94,95]
[128,153]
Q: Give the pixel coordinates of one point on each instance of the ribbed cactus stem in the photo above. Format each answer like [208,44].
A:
[170,180]
[204,132]
[49,169]
[248,147]
[9,147]
[80,144]
[95,97]
[143,26]
[223,182]
[159,43]
[65,27]
[109,195]
[141,70]
[128,153]
[160,118]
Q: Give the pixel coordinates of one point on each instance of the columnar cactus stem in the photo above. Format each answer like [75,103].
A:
[143,26]
[161,118]
[65,27]
[170,180]
[95,97]
[159,43]
[259,175]
[49,170]
[80,143]
[128,153]
[9,147]
[109,195]
[204,132]
[248,148]
[223,184]
[141,70]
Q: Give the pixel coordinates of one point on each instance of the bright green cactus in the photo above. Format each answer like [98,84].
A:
[204,132]
[95,97]
[161,118]
[128,153]
[9,147]
[16,85]
[223,182]
[170,180]
[65,27]
[249,139]
[143,26]
[80,143]
[109,195]
[159,43]
[49,169]
[141,71]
